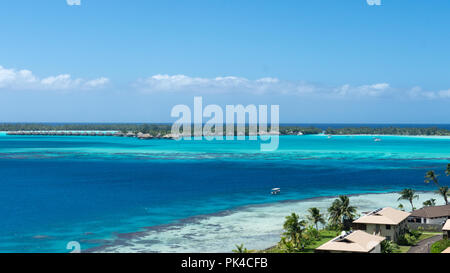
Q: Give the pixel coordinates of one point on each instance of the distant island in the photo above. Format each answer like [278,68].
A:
[147,131]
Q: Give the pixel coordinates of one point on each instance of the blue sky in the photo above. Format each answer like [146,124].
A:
[132,61]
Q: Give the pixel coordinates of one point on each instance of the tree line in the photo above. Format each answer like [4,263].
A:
[153,128]
[429,131]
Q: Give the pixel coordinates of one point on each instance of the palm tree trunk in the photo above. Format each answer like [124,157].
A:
[412,206]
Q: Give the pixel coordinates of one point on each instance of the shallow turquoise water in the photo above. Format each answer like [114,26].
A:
[59,189]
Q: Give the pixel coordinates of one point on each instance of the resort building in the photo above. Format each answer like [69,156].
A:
[435,215]
[356,241]
[446,230]
[446,251]
[388,222]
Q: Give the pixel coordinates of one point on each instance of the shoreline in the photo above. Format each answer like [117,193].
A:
[142,136]
[259,226]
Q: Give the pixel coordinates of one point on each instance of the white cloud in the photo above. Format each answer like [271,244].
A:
[73,2]
[97,82]
[268,85]
[444,94]
[418,93]
[223,84]
[163,83]
[182,82]
[372,90]
[25,80]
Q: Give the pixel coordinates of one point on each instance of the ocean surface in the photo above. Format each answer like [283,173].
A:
[93,190]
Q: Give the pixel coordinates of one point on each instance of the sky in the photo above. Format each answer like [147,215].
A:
[322,61]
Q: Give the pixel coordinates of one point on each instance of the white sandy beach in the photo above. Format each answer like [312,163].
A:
[257,227]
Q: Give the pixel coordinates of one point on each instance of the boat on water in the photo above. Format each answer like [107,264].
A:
[275,191]
[377,139]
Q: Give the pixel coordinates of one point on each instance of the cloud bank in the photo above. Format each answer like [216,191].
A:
[163,83]
[13,79]
[233,84]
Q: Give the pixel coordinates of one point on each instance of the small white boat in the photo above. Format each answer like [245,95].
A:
[275,191]
[377,139]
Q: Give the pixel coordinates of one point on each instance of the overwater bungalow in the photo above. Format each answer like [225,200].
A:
[144,136]
[139,135]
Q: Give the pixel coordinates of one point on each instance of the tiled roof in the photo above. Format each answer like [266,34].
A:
[386,216]
[432,212]
[357,241]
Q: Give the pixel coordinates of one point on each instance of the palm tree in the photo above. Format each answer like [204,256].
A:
[409,195]
[447,171]
[430,203]
[401,207]
[431,177]
[316,217]
[294,227]
[444,192]
[341,211]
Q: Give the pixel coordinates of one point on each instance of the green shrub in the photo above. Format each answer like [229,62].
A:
[389,247]
[440,246]
[240,249]
[410,237]
[334,227]
[407,240]
[415,233]
[312,233]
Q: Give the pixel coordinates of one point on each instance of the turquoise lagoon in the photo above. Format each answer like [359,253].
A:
[104,191]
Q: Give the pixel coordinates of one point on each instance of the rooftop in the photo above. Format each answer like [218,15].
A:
[447,226]
[432,212]
[446,251]
[386,216]
[357,241]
